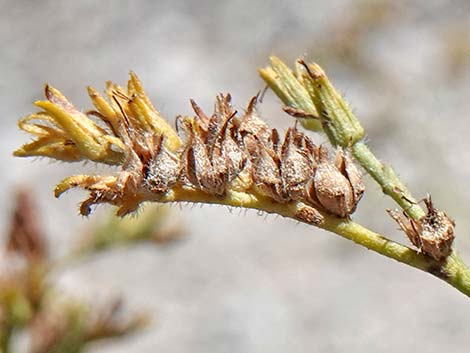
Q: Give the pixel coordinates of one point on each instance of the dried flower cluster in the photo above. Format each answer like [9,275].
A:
[432,234]
[210,154]
[238,160]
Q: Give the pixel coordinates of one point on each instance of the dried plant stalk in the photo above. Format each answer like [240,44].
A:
[225,159]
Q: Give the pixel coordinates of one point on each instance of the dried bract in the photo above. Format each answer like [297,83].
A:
[432,234]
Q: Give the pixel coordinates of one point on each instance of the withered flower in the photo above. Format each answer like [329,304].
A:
[206,155]
[337,186]
[65,133]
[432,234]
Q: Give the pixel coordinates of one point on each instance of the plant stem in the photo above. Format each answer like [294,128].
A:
[385,176]
[452,270]
[5,337]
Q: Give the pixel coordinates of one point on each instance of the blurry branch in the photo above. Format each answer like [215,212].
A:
[25,238]
[30,303]
[348,35]
[70,327]
[153,224]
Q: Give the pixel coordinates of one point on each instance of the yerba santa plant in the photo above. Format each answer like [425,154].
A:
[234,158]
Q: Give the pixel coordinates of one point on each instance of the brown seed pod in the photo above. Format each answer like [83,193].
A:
[337,188]
[432,234]
[197,165]
[298,170]
[297,163]
[345,164]
[266,173]
[253,130]
[224,144]
[227,153]
[163,169]
[213,156]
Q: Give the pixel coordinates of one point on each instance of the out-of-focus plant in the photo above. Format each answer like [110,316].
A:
[348,34]
[30,303]
[154,224]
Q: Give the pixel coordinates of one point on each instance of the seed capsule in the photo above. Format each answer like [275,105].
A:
[337,187]
[297,163]
[432,234]
[267,173]
[163,169]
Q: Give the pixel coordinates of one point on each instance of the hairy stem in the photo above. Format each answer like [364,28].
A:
[452,270]
[386,177]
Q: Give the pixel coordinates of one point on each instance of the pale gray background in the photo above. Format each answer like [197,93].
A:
[242,282]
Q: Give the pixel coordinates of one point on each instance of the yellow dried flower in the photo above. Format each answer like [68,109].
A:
[62,132]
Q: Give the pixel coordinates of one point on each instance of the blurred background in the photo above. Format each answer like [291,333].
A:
[239,281]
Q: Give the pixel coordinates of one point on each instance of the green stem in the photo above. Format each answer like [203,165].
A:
[452,270]
[385,176]
[343,129]
[5,338]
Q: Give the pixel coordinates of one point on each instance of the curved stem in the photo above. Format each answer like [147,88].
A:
[452,270]
[385,176]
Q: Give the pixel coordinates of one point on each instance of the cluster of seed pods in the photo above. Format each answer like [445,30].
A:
[222,152]
[212,154]
[206,158]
